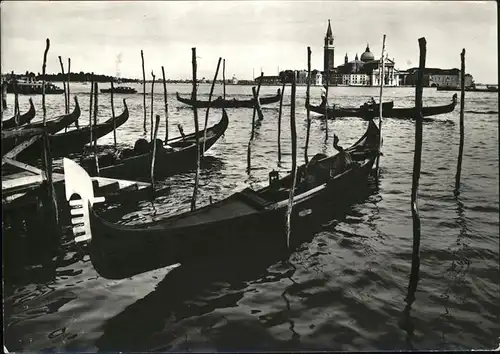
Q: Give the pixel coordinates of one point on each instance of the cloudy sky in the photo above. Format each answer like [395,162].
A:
[250,35]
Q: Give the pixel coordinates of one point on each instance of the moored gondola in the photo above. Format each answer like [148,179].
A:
[426,111]
[51,127]
[366,110]
[387,111]
[74,140]
[23,118]
[120,89]
[234,103]
[229,225]
[178,154]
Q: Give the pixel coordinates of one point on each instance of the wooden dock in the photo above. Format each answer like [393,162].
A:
[20,189]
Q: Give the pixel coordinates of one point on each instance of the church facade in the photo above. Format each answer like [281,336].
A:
[362,71]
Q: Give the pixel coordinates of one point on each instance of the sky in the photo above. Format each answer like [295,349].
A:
[106,37]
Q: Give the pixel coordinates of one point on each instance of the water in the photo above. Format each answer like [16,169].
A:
[345,289]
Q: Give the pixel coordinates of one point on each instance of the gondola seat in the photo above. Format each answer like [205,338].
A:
[107,160]
[252,198]
[126,153]
[141,146]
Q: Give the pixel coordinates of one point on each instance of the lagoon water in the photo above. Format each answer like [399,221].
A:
[344,289]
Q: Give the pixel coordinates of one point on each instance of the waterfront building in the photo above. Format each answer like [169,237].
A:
[362,71]
[436,77]
[268,80]
[328,54]
[365,71]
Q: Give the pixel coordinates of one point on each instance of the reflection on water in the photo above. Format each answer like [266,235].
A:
[343,288]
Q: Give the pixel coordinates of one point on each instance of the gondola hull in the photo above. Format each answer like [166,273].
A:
[23,118]
[234,103]
[426,111]
[74,140]
[51,127]
[118,255]
[166,162]
[387,112]
[247,221]
[368,112]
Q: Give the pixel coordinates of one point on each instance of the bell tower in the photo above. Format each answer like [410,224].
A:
[329,51]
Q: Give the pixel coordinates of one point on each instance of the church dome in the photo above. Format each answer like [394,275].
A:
[367,55]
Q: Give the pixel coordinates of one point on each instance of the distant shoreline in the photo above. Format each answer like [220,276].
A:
[266,84]
[243,84]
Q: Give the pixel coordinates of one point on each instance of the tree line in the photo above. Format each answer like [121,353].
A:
[81,76]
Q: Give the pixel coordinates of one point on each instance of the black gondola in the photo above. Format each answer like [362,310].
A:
[74,140]
[426,111]
[51,127]
[230,225]
[23,118]
[234,103]
[366,110]
[120,89]
[387,111]
[177,155]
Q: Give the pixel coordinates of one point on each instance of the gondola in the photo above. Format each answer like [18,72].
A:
[177,155]
[23,118]
[74,140]
[229,225]
[366,110]
[120,89]
[51,127]
[389,112]
[426,111]
[234,103]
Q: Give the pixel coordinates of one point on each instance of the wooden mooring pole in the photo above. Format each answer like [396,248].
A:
[327,74]
[143,90]
[91,100]
[69,99]
[279,119]
[382,79]
[165,102]
[195,111]
[65,91]
[16,104]
[47,161]
[113,113]
[255,94]
[257,108]
[462,107]
[294,162]
[209,103]
[44,66]
[153,158]
[96,108]
[415,261]
[224,78]
[308,92]
[152,103]
[252,134]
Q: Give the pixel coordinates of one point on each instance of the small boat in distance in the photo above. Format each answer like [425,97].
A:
[31,87]
[120,89]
